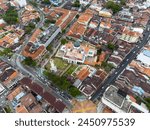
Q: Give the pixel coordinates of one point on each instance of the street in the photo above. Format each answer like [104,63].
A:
[111,78]
[16,60]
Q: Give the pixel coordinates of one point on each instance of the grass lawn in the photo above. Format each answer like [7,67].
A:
[60,64]
[71,70]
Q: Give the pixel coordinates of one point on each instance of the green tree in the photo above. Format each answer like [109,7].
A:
[33,3]
[113,6]
[62,83]
[77,16]
[76,3]
[7,109]
[29,28]
[6,52]
[11,16]
[111,46]
[49,48]
[48,21]
[63,41]
[37,20]
[46,2]
[107,66]
[123,2]
[29,61]
[64,30]
[147,102]
[73,91]
[99,51]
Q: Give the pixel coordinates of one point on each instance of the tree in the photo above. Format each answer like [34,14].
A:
[123,2]
[11,16]
[29,61]
[64,30]
[77,16]
[73,91]
[111,46]
[49,48]
[46,2]
[63,41]
[37,20]
[113,6]
[48,21]
[99,51]
[33,3]
[147,102]
[29,28]
[6,52]
[62,83]
[76,3]
[107,66]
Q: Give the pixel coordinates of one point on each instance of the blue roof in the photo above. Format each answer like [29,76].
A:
[19,95]
[56,2]
[139,90]
[146,53]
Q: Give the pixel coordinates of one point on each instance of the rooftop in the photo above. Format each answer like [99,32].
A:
[34,55]
[65,18]
[28,100]
[29,14]
[85,18]
[113,96]
[35,36]
[76,52]
[8,75]
[76,30]
[14,93]
[141,68]
[120,102]
[92,82]
[52,100]
[144,57]
[21,109]
[86,106]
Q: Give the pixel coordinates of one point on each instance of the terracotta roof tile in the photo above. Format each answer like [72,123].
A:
[83,74]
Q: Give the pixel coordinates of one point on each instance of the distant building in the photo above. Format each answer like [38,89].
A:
[76,52]
[29,14]
[105,13]
[144,57]
[126,15]
[62,16]
[120,102]
[130,35]
[8,76]
[33,49]
[56,2]
[21,3]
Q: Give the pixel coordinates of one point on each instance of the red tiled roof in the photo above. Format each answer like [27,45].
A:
[56,103]
[83,74]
